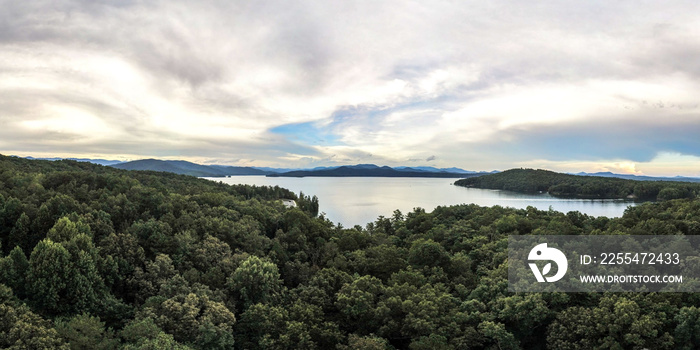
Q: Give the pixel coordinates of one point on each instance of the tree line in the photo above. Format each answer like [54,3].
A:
[101,258]
[576,186]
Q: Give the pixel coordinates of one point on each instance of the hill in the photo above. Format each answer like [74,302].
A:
[577,186]
[188,168]
[435,170]
[89,160]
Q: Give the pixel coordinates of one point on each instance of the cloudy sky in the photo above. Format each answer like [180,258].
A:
[482,85]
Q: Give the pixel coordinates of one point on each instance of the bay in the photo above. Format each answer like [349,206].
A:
[360,200]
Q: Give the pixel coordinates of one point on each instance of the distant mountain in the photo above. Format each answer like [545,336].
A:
[94,161]
[641,177]
[365,166]
[274,170]
[230,170]
[372,166]
[284,170]
[371,170]
[188,168]
[435,170]
[200,170]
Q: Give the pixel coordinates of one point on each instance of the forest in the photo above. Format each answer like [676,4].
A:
[94,257]
[577,186]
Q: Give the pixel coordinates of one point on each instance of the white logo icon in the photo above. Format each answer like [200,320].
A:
[541,252]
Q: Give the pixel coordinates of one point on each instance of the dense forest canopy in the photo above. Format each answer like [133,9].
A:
[566,185]
[102,258]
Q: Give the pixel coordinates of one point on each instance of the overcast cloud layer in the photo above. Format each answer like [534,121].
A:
[571,86]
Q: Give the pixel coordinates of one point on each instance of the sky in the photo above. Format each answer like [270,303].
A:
[482,85]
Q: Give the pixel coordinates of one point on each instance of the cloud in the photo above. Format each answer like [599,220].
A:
[663,164]
[480,85]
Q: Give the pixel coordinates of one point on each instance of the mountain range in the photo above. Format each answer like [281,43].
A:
[377,171]
[641,177]
[188,168]
[95,161]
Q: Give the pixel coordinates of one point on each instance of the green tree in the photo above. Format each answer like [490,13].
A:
[255,281]
[50,273]
[323,287]
[431,342]
[498,336]
[357,303]
[193,319]
[148,283]
[370,342]
[21,329]
[86,332]
[687,332]
[13,271]
[411,311]
[428,253]
[144,334]
[20,234]
[65,229]
[156,237]
[11,211]
[616,323]
[51,210]
[261,326]
[300,325]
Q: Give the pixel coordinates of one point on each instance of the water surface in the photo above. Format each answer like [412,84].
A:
[359,200]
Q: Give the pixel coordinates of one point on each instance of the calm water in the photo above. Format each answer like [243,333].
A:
[359,200]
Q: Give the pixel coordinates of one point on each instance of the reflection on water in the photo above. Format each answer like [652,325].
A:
[359,200]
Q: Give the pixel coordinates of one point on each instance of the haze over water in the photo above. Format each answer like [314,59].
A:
[360,200]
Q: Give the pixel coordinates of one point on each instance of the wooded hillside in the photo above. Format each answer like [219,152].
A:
[565,185]
[100,258]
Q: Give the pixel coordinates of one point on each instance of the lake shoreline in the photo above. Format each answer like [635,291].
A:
[360,200]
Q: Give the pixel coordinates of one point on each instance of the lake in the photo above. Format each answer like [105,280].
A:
[359,200]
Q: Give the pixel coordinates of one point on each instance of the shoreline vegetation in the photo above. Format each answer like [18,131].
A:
[102,258]
[585,187]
